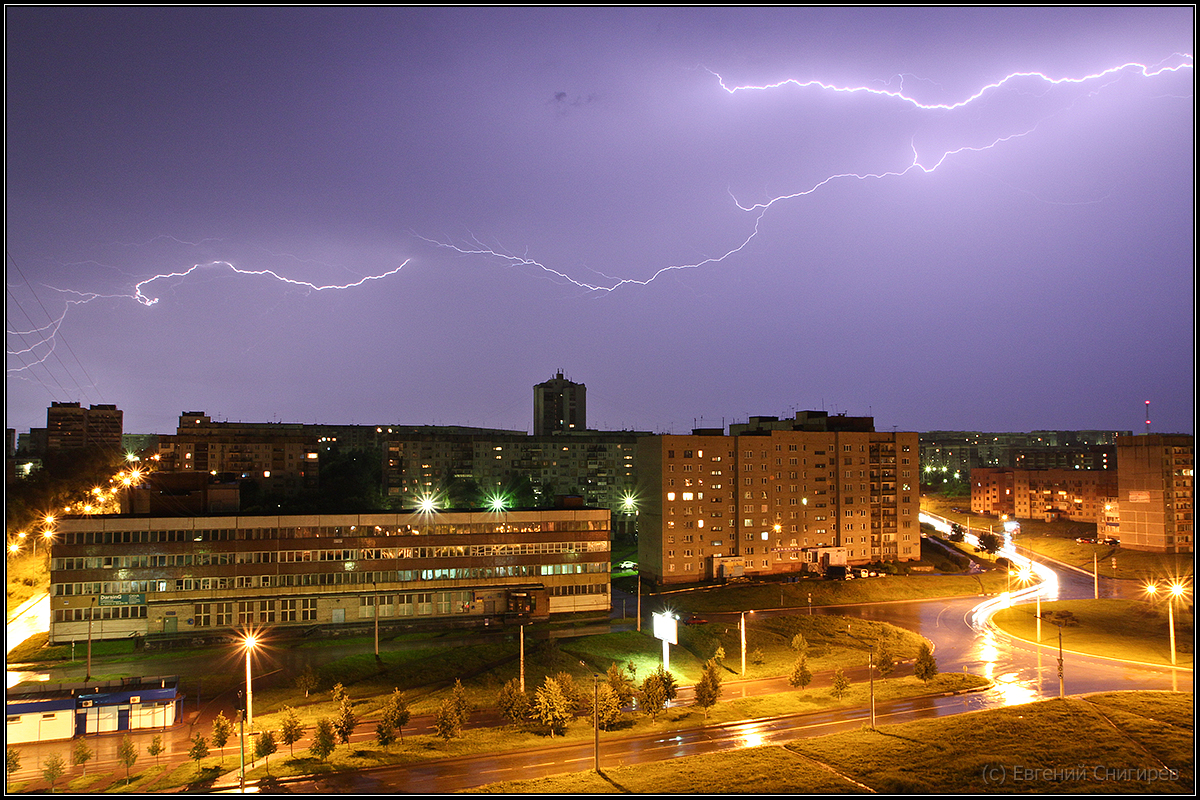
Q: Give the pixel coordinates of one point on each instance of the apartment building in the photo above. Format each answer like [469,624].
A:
[70,426]
[1079,495]
[559,406]
[774,501]
[207,577]
[1155,491]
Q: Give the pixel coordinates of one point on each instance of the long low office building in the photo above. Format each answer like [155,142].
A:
[116,577]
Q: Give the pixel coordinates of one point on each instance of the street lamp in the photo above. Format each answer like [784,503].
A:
[250,642]
[743,630]
[1175,590]
[870,669]
[1026,576]
[596,716]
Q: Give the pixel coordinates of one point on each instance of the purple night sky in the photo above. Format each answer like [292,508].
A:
[542,175]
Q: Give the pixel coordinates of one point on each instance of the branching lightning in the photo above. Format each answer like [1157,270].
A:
[45,337]
[38,342]
[1175,63]
[149,301]
[1145,70]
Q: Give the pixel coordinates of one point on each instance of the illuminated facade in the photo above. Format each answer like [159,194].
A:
[209,576]
[774,501]
[1155,490]
[1079,495]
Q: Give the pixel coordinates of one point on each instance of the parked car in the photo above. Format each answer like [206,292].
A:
[627,565]
[695,620]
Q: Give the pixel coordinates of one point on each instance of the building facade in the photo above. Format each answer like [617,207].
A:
[774,501]
[1079,495]
[958,453]
[114,577]
[597,466]
[1155,491]
[70,426]
[559,406]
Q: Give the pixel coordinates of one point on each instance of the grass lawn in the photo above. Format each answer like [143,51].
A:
[416,749]
[1137,742]
[27,576]
[824,593]
[1127,629]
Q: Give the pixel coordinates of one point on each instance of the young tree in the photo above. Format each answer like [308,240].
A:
[800,644]
[396,712]
[264,746]
[198,751]
[323,739]
[668,679]
[338,693]
[990,542]
[551,707]
[156,748]
[306,681]
[385,734]
[708,690]
[512,703]
[13,761]
[222,729]
[446,722]
[290,731]
[719,654]
[570,689]
[81,754]
[346,720]
[127,754]
[926,667]
[609,708]
[53,769]
[841,684]
[621,685]
[658,689]
[884,660]
[757,658]
[462,703]
[801,675]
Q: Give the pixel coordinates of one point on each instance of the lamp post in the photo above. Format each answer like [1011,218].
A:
[1025,577]
[1062,692]
[870,670]
[250,642]
[742,628]
[376,601]
[596,717]
[1174,591]
[91,616]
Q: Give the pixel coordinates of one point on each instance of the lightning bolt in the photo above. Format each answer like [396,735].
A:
[1145,70]
[149,301]
[45,337]
[1174,63]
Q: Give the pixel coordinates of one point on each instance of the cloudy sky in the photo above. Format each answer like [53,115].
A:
[949,219]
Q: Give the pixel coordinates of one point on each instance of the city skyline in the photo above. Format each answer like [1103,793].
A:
[416,215]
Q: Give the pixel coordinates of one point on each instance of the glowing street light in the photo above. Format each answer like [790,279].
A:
[742,628]
[249,643]
[1175,590]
